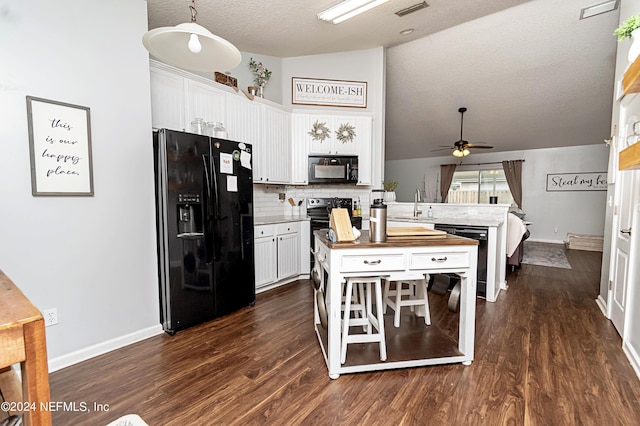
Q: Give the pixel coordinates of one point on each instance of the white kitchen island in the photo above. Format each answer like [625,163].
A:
[491,216]
[413,344]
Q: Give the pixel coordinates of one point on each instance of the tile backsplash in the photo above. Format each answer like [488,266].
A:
[266,202]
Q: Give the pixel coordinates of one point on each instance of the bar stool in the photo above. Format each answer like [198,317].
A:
[414,287]
[357,303]
[369,320]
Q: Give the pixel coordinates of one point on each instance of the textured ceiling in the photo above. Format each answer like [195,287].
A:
[531,74]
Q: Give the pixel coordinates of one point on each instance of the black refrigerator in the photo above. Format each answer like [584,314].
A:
[204,217]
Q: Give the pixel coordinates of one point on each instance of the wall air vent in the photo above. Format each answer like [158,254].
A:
[411,9]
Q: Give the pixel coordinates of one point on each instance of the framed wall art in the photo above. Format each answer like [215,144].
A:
[60,148]
[592,181]
[340,93]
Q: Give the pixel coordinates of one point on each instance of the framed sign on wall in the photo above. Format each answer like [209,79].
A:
[592,181]
[60,148]
[314,91]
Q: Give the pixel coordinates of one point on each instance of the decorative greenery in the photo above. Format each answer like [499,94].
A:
[390,185]
[346,132]
[625,29]
[319,131]
[262,75]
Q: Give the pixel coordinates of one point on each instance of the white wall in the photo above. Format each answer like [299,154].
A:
[361,65]
[273,90]
[92,258]
[570,212]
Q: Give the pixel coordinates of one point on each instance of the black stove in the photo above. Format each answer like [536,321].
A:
[319,211]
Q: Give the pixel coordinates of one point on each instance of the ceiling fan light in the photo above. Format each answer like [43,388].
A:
[465,152]
[457,153]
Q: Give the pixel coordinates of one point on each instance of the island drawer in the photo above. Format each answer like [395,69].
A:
[440,259]
[373,263]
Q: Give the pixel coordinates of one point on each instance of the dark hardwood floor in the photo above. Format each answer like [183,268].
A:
[545,355]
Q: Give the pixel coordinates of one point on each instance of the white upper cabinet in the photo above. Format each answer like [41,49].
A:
[204,101]
[364,145]
[356,140]
[299,148]
[177,99]
[322,135]
[281,140]
[167,100]
[277,162]
[245,124]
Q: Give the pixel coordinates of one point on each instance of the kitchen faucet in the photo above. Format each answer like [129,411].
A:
[417,199]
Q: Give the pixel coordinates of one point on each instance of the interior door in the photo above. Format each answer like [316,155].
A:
[623,216]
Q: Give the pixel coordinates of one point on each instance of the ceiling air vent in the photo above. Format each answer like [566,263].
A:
[411,9]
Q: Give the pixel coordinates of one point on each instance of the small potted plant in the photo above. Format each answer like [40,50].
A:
[390,188]
[261,74]
[627,30]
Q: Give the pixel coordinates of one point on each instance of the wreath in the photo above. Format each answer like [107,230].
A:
[319,131]
[346,132]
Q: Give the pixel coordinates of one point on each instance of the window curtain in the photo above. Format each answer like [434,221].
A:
[446,176]
[513,173]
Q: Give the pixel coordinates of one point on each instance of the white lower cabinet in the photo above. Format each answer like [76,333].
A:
[277,253]
[288,252]
[264,248]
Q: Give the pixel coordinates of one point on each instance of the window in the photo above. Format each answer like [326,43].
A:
[476,186]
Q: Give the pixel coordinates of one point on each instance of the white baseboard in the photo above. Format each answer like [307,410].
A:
[67,360]
[632,355]
[280,283]
[602,305]
[542,240]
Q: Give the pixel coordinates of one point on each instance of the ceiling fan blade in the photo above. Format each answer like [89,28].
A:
[448,148]
[479,146]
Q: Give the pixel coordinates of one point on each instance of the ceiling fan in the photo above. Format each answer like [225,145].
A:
[461,147]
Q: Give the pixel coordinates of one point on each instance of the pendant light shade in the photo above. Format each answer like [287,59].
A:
[191,46]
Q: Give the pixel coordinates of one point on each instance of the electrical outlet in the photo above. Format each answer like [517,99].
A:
[50,317]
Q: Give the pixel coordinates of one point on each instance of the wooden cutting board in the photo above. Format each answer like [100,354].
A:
[341,225]
[416,237]
[407,231]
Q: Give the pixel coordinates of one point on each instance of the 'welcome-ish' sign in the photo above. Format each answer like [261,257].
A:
[307,91]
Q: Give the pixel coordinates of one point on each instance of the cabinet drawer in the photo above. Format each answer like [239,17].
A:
[287,228]
[373,263]
[263,231]
[439,260]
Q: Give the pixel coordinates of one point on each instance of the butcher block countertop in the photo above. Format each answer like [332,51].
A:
[410,241]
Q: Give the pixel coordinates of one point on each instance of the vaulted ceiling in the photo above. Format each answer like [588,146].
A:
[531,73]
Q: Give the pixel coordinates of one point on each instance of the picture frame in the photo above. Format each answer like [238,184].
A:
[589,181]
[59,148]
[323,92]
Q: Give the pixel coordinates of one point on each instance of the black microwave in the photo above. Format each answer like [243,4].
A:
[333,169]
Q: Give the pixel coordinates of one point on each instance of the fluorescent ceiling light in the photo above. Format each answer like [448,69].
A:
[348,9]
[597,9]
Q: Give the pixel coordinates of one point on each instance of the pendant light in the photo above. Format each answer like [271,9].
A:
[191,46]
